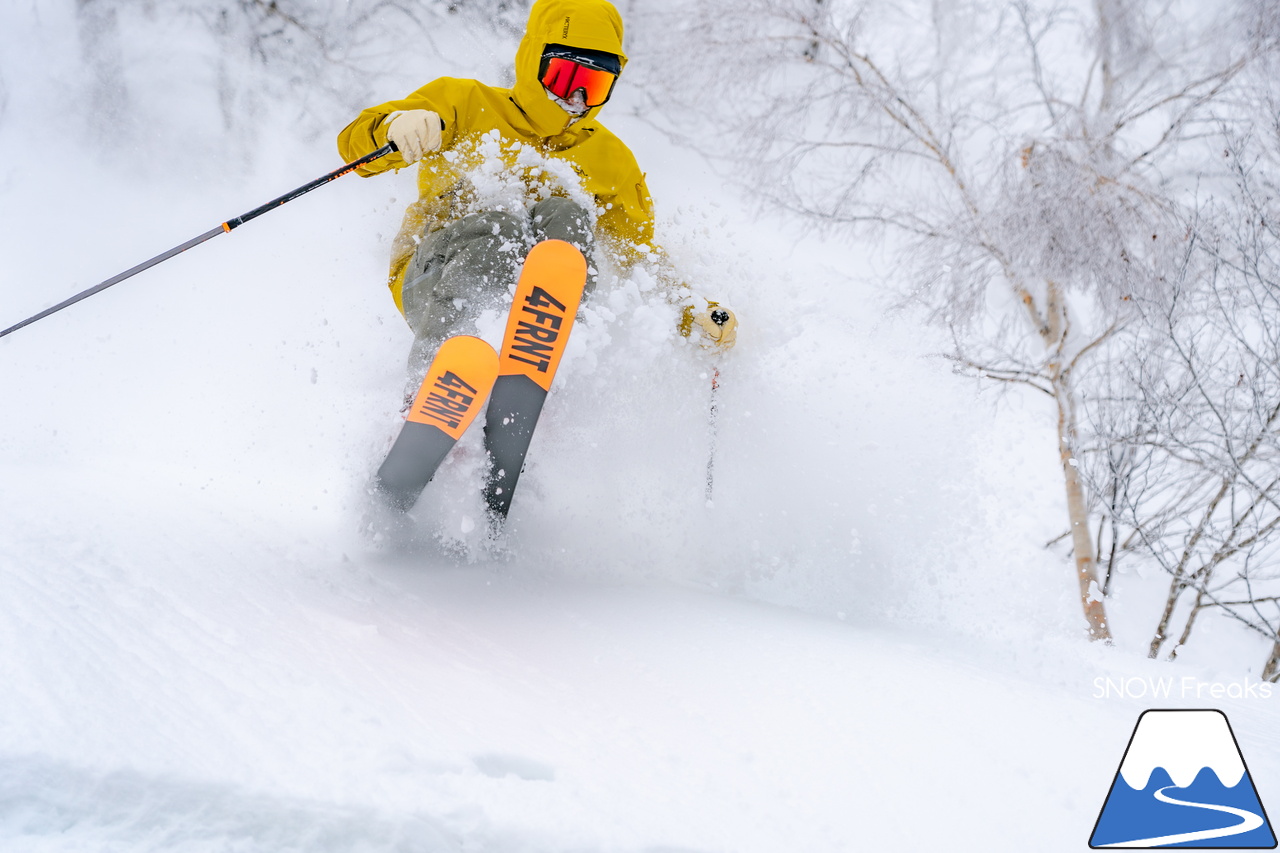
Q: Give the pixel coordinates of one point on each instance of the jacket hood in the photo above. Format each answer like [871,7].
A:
[590,24]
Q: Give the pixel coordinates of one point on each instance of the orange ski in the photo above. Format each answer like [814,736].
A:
[459,380]
[542,312]
[542,315]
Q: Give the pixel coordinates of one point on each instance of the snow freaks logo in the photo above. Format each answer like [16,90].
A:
[1183,783]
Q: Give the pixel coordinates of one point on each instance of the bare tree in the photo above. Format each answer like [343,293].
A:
[98,30]
[318,59]
[1197,419]
[1028,155]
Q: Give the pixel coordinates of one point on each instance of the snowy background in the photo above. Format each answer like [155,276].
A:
[863,643]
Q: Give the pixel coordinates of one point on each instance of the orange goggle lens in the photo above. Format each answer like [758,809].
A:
[562,77]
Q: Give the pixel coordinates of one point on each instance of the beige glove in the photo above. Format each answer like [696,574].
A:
[414,132]
[719,324]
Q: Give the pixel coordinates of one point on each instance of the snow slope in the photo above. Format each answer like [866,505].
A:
[859,646]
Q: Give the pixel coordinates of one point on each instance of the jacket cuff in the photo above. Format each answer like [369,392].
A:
[380,129]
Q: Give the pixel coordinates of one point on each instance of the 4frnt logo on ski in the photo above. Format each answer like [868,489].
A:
[537,338]
[450,401]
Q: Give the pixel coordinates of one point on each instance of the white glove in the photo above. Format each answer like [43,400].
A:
[719,324]
[414,132]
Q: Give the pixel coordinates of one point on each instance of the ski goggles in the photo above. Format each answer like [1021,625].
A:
[562,76]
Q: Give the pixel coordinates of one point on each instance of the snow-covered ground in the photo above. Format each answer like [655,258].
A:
[860,645]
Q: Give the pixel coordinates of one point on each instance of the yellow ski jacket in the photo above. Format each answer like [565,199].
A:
[526,114]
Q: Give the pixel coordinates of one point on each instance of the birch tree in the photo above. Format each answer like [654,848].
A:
[1026,157]
[1197,422]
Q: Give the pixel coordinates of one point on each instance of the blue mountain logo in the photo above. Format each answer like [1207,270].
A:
[1183,783]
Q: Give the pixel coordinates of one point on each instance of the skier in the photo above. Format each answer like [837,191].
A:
[455,254]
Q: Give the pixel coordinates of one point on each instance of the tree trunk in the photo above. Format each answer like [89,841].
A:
[1196,607]
[1176,586]
[1271,672]
[1052,327]
[1078,513]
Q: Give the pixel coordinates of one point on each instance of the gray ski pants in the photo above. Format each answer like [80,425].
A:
[469,265]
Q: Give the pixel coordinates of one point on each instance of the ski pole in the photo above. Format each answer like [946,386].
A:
[208,235]
[718,317]
[711,455]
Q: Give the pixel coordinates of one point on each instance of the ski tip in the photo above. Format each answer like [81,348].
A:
[467,350]
[559,252]
[456,385]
